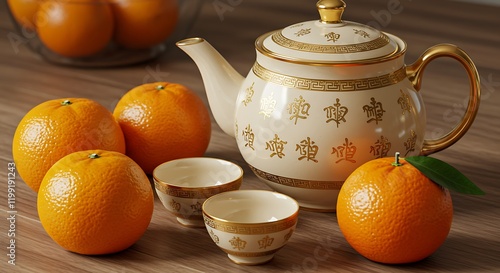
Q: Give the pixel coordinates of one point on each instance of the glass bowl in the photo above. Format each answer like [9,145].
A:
[102,33]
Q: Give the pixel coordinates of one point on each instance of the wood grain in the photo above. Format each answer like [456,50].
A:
[473,244]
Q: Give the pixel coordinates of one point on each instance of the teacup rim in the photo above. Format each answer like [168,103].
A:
[187,188]
[293,215]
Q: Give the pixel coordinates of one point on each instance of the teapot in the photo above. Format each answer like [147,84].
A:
[322,98]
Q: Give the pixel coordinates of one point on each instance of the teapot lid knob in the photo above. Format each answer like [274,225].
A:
[330,11]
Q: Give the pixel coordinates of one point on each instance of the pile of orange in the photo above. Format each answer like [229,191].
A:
[80,28]
[89,166]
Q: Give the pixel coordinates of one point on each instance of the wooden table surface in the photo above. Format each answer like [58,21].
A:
[473,244]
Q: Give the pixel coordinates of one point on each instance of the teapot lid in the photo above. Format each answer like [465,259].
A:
[329,40]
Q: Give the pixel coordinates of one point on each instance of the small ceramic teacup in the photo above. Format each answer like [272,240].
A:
[184,184]
[250,225]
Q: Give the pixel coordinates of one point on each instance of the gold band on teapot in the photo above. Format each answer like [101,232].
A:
[329,85]
[377,43]
[297,183]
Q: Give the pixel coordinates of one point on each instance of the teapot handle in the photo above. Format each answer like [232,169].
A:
[415,72]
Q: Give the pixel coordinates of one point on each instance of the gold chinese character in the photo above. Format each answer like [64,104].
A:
[267,106]
[411,142]
[345,152]
[248,137]
[307,149]
[196,207]
[175,205]
[405,102]
[381,147]
[336,112]
[265,242]
[374,111]
[276,146]
[248,95]
[361,33]
[303,32]
[299,108]
[237,243]
[332,36]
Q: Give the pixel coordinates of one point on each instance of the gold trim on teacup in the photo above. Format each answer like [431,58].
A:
[329,85]
[250,254]
[196,193]
[283,41]
[297,183]
[251,228]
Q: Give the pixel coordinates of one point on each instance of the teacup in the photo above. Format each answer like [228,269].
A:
[250,225]
[184,184]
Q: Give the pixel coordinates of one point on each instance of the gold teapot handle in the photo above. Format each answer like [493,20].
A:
[415,72]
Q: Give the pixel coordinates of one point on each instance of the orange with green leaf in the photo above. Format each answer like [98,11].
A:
[395,211]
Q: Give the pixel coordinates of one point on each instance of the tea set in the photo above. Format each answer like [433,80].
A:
[322,98]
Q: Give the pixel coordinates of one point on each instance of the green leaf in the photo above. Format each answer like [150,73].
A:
[444,174]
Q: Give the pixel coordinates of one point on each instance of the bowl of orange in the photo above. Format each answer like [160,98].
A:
[101,33]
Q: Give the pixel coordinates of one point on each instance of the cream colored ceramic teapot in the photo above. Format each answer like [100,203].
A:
[322,98]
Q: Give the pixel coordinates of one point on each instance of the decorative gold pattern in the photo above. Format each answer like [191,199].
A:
[303,32]
[267,105]
[374,111]
[276,146]
[238,243]
[346,151]
[405,103]
[248,95]
[215,238]
[329,85]
[307,149]
[297,183]
[381,148]
[196,193]
[251,229]
[336,112]
[298,109]
[265,242]
[411,142]
[283,41]
[248,137]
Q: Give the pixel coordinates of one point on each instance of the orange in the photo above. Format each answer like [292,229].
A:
[144,23]
[163,121]
[95,202]
[393,214]
[75,28]
[59,127]
[24,12]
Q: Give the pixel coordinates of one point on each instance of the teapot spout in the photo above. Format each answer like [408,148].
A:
[222,82]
